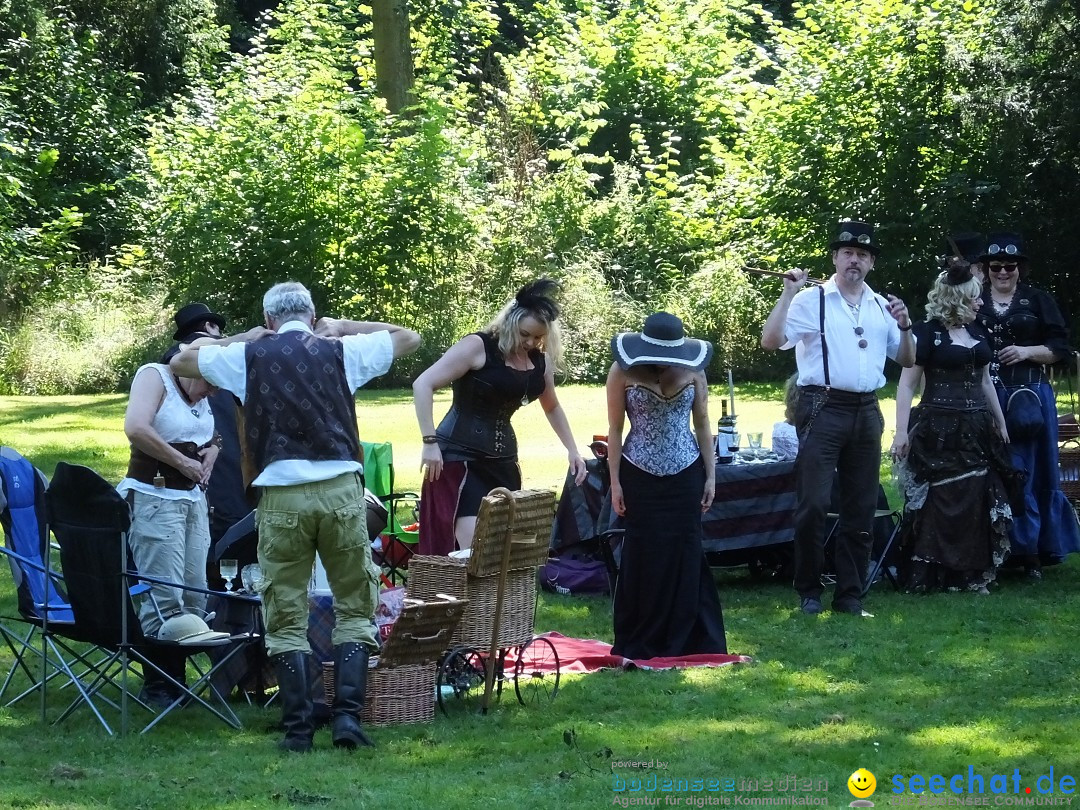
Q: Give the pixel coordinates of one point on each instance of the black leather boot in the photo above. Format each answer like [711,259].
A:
[158,691]
[294,681]
[350,685]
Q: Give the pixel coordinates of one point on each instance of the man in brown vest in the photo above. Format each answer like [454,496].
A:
[297,385]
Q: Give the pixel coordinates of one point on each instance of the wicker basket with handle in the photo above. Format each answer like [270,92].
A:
[526,526]
[401,680]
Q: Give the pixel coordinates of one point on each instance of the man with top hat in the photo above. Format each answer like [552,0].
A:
[1027,332]
[963,250]
[841,331]
[297,387]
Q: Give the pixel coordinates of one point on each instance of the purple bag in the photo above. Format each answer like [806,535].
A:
[569,575]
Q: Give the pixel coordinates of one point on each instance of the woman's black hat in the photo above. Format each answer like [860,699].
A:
[194,315]
[661,342]
[1004,247]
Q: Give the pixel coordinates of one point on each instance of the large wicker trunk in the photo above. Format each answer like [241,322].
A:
[401,681]
[512,528]
[430,575]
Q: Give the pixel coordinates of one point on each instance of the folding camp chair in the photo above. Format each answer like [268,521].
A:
[887,523]
[395,546]
[39,592]
[90,521]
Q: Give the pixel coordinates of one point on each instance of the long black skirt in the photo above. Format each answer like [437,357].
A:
[666,602]
[957,513]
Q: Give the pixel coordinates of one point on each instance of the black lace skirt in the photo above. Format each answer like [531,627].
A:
[957,513]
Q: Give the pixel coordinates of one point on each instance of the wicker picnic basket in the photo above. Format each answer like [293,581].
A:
[477,579]
[401,680]
[1069,465]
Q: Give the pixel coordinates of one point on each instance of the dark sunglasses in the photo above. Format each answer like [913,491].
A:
[1002,267]
[862,340]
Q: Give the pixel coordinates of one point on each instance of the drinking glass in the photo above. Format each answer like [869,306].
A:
[250,576]
[733,442]
[754,440]
[227,569]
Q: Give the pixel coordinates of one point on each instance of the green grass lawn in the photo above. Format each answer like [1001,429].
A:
[930,685]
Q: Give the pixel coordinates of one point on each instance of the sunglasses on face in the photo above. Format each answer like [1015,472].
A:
[1002,267]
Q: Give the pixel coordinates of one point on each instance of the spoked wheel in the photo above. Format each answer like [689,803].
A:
[461,679]
[536,672]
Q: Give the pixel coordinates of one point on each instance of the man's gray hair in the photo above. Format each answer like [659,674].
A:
[288,301]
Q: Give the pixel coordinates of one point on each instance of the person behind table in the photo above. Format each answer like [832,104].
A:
[662,480]
[297,387]
[838,418]
[226,492]
[1027,332]
[474,450]
[968,247]
[785,440]
[950,449]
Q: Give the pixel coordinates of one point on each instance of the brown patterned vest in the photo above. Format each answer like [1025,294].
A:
[298,403]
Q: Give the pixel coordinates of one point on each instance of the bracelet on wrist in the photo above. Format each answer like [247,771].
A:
[430,439]
[904,328]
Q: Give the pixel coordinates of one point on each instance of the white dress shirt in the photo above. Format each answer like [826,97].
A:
[366,357]
[850,368]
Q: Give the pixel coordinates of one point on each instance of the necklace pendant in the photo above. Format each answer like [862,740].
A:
[525,399]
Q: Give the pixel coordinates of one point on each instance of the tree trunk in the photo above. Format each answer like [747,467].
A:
[393,52]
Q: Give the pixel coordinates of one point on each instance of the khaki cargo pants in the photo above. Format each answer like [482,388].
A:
[295,522]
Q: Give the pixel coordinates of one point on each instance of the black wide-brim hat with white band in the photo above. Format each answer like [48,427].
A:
[855,234]
[662,342]
[1004,247]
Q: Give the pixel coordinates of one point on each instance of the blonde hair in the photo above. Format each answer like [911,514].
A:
[532,301]
[951,303]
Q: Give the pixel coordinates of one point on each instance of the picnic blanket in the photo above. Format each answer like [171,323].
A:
[589,655]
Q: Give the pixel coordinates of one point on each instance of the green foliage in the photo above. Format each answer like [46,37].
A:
[69,125]
[639,152]
[91,341]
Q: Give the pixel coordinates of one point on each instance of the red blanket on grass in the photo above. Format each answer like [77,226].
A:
[589,655]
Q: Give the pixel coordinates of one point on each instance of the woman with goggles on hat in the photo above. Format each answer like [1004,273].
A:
[1027,332]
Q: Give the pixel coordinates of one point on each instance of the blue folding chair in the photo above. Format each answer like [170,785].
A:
[42,604]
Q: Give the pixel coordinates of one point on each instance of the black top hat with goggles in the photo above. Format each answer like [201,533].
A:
[1006,248]
[854,234]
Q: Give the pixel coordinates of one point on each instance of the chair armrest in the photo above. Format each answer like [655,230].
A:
[34,564]
[232,596]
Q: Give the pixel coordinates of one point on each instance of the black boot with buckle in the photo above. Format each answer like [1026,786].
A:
[294,681]
[350,686]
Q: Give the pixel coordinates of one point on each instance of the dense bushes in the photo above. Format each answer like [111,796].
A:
[640,152]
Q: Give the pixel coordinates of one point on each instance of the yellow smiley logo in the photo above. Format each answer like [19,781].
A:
[862,783]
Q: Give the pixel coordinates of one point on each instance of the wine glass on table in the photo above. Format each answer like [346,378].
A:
[227,569]
[754,440]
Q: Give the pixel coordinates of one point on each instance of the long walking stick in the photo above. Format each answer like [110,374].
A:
[493,650]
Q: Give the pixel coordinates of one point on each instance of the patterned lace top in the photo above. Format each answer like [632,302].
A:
[660,440]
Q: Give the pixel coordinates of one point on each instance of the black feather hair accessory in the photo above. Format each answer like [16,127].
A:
[536,296]
[958,274]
